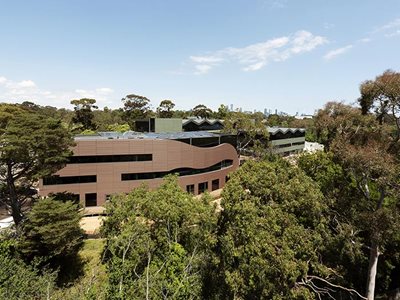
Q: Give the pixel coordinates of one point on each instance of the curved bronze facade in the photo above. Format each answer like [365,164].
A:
[165,155]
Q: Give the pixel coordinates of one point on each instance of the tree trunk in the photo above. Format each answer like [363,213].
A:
[372,268]
[14,203]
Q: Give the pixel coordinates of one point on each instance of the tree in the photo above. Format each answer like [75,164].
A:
[21,281]
[156,243]
[363,145]
[108,117]
[83,113]
[201,111]
[165,109]
[382,96]
[31,147]
[252,134]
[52,235]
[222,112]
[118,127]
[271,234]
[135,107]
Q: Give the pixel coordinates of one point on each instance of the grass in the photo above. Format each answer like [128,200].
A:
[92,285]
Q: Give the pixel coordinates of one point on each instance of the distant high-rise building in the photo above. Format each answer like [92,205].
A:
[231,107]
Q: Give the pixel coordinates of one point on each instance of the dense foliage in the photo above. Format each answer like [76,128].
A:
[52,236]
[157,243]
[31,146]
[325,225]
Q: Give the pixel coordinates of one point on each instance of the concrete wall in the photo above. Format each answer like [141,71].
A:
[167,155]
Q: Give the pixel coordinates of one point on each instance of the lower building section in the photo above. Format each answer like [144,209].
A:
[100,167]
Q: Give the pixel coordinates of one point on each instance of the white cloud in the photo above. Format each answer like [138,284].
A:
[365,40]
[26,84]
[390,25]
[202,69]
[392,34]
[206,59]
[333,53]
[255,56]
[328,25]
[104,90]
[276,3]
[27,90]
[389,29]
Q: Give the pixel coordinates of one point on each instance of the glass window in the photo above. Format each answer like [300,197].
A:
[190,188]
[215,184]
[91,199]
[203,186]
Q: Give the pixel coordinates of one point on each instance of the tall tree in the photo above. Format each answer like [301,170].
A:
[157,243]
[382,96]
[165,109]
[83,113]
[222,112]
[363,146]
[135,107]
[201,111]
[271,234]
[31,146]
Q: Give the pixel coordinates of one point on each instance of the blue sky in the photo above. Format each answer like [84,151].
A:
[289,55]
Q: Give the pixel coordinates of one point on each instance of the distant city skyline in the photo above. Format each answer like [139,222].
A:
[293,56]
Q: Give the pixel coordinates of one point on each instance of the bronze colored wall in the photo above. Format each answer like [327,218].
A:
[167,155]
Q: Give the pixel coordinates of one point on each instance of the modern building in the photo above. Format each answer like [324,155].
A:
[159,125]
[195,124]
[287,141]
[111,162]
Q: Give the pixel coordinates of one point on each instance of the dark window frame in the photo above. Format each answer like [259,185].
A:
[180,171]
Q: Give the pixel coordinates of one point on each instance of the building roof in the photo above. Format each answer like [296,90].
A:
[151,135]
[201,121]
[275,130]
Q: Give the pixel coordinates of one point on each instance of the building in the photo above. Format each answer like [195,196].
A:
[287,141]
[195,124]
[111,162]
[159,125]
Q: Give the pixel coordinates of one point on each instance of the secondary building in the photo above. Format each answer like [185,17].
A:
[111,162]
[286,141]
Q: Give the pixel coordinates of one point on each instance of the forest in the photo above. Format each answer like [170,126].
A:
[323,225]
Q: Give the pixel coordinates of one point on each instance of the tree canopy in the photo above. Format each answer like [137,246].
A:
[165,109]
[135,107]
[31,146]
[157,243]
[201,111]
[84,114]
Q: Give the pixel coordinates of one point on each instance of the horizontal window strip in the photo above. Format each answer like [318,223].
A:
[180,171]
[56,180]
[93,159]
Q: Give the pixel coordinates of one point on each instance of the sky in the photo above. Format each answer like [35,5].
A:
[289,55]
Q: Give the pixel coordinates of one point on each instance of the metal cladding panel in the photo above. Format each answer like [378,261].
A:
[166,155]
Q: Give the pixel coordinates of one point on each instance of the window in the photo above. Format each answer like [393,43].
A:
[90,199]
[215,184]
[55,180]
[92,159]
[181,171]
[203,186]
[298,143]
[190,188]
